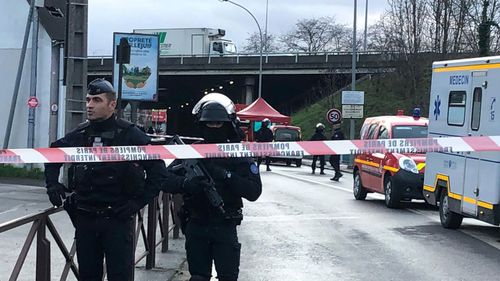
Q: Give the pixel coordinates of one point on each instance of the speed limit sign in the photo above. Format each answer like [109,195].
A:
[334,116]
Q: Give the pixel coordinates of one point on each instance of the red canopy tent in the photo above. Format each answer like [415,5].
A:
[259,110]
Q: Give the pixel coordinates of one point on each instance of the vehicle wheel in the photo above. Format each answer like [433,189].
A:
[288,162]
[298,162]
[448,218]
[391,197]
[358,189]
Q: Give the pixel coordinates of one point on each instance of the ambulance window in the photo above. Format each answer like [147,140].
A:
[383,133]
[456,108]
[476,109]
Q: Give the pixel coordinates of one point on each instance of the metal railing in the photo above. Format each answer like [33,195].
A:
[266,56]
[158,214]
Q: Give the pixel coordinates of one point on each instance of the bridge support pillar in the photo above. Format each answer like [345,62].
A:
[249,89]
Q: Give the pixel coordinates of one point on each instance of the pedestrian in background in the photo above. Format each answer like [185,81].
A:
[318,135]
[106,195]
[264,134]
[335,159]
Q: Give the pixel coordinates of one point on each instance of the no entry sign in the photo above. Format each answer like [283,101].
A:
[32,102]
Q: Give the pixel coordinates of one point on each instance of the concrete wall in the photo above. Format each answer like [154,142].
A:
[13,17]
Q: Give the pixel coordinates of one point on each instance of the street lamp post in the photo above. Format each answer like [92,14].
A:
[261,42]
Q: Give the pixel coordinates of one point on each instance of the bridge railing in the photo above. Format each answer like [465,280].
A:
[158,215]
[181,59]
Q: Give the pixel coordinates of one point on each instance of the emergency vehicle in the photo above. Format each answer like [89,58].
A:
[463,103]
[284,133]
[396,175]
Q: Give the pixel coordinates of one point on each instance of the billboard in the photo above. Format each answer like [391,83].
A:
[140,76]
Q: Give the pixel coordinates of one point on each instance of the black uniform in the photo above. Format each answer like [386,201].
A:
[211,231]
[210,234]
[106,197]
[318,135]
[264,134]
[335,159]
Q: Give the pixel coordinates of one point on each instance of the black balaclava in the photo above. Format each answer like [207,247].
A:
[215,135]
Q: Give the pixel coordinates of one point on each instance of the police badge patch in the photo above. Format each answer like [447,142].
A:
[254,169]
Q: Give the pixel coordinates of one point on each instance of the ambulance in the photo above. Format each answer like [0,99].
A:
[463,103]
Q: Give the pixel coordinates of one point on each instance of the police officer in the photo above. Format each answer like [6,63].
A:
[335,159]
[264,134]
[106,195]
[318,135]
[211,233]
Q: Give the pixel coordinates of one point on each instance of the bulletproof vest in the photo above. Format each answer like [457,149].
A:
[198,205]
[112,178]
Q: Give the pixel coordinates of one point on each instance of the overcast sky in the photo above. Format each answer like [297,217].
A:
[108,16]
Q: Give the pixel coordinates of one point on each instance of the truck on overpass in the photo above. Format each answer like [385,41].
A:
[191,41]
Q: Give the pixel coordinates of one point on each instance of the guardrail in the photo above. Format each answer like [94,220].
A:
[266,56]
[158,214]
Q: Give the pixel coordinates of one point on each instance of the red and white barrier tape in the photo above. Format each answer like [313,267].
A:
[247,149]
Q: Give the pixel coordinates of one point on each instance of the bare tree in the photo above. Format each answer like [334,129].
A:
[409,20]
[252,45]
[315,35]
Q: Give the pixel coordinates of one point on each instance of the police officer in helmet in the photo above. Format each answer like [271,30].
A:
[105,195]
[211,234]
[335,159]
[319,135]
[264,134]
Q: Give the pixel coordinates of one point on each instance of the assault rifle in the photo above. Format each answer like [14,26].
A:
[193,168]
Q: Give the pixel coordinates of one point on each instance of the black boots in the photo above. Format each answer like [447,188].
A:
[337,176]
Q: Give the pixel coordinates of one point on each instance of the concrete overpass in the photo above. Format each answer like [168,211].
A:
[289,80]
[248,64]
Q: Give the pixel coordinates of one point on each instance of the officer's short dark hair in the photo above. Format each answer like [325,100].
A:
[101,86]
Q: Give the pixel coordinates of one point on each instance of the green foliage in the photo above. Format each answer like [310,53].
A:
[384,95]
[18,172]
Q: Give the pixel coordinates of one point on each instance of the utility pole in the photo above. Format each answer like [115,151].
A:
[366,24]
[353,77]
[353,70]
[33,78]
[18,77]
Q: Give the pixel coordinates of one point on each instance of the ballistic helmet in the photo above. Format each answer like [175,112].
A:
[320,126]
[214,107]
[99,86]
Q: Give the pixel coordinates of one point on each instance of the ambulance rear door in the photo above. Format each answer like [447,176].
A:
[473,159]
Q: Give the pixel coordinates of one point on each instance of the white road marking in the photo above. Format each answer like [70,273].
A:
[301,217]
[313,181]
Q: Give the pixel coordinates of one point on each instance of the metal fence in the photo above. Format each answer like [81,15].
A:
[158,219]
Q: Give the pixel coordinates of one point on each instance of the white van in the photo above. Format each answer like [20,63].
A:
[463,103]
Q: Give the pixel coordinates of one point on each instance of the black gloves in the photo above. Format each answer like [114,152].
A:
[126,210]
[56,194]
[217,173]
[195,185]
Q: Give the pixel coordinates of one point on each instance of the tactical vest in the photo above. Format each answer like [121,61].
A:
[114,179]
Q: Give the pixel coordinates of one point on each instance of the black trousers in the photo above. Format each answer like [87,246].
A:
[335,162]
[218,243]
[99,237]
[268,161]
[321,162]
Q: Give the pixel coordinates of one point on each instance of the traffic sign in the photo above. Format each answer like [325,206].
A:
[32,102]
[353,97]
[334,116]
[352,111]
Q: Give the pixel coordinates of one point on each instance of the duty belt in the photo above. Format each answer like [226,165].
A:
[101,211]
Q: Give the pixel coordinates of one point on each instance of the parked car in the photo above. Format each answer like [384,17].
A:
[399,176]
[284,133]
